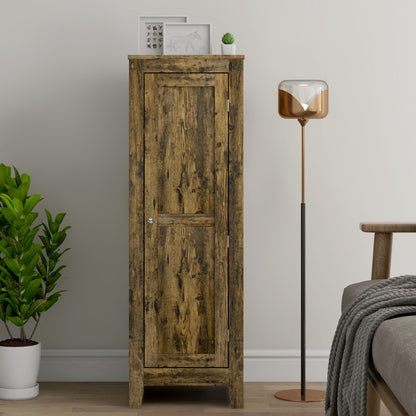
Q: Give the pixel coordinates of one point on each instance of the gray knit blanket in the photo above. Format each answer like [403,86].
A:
[346,393]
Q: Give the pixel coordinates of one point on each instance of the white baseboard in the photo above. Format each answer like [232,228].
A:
[112,365]
[284,365]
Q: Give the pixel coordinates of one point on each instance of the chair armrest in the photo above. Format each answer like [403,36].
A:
[387,227]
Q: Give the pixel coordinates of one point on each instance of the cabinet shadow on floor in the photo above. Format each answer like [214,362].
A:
[209,396]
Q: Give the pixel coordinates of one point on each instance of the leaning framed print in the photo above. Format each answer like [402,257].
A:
[187,38]
[151,32]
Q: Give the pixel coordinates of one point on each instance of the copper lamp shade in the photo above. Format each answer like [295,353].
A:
[303,99]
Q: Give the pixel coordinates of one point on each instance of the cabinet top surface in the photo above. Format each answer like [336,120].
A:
[207,57]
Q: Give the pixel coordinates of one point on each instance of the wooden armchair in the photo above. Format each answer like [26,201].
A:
[383,238]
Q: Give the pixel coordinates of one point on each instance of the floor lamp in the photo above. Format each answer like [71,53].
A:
[303,100]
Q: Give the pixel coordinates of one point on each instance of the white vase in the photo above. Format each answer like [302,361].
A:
[228,49]
[19,368]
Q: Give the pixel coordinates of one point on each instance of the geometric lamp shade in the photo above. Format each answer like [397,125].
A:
[303,99]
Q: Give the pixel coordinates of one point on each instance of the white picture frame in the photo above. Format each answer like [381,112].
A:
[187,39]
[150,43]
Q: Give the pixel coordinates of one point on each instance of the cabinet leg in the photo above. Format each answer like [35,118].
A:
[136,394]
[236,394]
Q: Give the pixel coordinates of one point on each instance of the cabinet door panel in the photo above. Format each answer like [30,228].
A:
[186,195]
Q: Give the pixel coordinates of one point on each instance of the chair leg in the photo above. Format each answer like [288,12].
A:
[373,401]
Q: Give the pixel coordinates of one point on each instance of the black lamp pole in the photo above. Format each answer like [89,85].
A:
[302,122]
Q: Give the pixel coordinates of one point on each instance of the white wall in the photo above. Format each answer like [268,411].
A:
[64,119]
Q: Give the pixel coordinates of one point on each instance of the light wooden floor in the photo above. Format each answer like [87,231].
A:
[93,399]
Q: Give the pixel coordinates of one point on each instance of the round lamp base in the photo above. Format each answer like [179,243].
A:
[294,395]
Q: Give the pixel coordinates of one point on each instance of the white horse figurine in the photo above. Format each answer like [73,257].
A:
[183,42]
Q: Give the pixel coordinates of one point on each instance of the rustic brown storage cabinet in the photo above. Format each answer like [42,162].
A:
[186,223]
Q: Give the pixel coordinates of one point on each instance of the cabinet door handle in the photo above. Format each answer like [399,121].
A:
[150,220]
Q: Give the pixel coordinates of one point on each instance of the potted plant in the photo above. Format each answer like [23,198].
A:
[29,256]
[228,46]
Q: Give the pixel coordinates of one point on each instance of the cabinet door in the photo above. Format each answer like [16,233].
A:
[186,220]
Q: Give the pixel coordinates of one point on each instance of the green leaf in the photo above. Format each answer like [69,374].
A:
[22,191]
[5,271]
[30,218]
[54,227]
[56,294]
[59,238]
[5,251]
[58,269]
[45,242]
[5,171]
[43,258]
[49,217]
[36,307]
[54,276]
[60,217]
[13,232]
[27,241]
[7,201]
[52,265]
[50,287]
[28,270]
[31,203]
[25,178]
[49,303]
[8,311]
[18,205]
[9,214]
[13,265]
[46,231]
[17,176]
[29,254]
[15,245]
[41,268]
[31,290]
[14,305]
[16,320]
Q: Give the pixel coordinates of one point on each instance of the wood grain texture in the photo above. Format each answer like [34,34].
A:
[221,220]
[151,211]
[186,376]
[190,59]
[186,164]
[182,65]
[373,401]
[380,387]
[382,256]
[192,181]
[98,399]
[369,227]
[185,360]
[383,239]
[236,231]
[190,220]
[186,315]
[186,63]
[136,353]
[184,135]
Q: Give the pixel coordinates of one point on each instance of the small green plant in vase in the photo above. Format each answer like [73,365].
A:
[228,46]
[30,253]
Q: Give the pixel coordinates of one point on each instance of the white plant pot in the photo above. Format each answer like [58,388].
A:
[228,49]
[19,368]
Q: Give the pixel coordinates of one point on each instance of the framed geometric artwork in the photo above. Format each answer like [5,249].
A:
[151,32]
[187,38]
